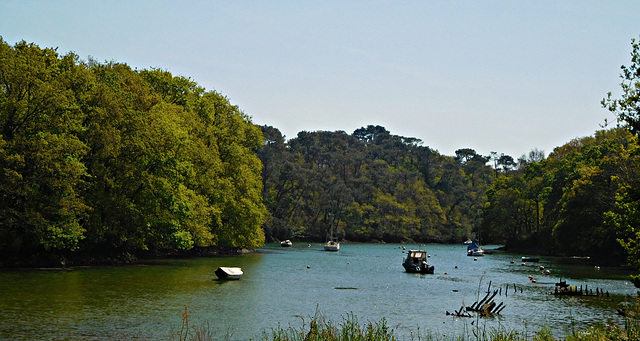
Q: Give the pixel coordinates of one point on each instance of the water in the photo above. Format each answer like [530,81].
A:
[286,286]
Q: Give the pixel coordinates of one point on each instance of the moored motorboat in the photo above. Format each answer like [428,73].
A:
[530,259]
[332,245]
[286,243]
[416,262]
[474,249]
[228,273]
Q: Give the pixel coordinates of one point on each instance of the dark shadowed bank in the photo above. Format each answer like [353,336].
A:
[49,260]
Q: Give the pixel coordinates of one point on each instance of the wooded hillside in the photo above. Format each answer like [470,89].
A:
[370,186]
[101,160]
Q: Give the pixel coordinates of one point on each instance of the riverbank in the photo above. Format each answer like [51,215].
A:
[65,260]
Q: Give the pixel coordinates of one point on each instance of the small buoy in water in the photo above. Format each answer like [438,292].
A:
[446,273]
[597,267]
[512,262]
[547,272]
[475,259]
[455,267]
[541,267]
[428,256]
[523,264]
[308,266]
[309,245]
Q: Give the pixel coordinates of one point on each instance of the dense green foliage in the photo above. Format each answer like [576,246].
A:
[626,215]
[370,185]
[584,199]
[103,159]
[558,204]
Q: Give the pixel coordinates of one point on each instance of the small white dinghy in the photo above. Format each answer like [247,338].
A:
[229,273]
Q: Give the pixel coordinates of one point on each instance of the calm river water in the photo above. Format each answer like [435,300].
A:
[286,286]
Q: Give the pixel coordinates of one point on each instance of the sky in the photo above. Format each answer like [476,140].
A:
[494,76]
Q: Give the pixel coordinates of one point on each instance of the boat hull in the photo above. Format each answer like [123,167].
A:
[425,269]
[475,253]
[225,273]
[332,246]
[416,262]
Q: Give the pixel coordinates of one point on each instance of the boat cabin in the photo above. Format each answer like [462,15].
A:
[416,261]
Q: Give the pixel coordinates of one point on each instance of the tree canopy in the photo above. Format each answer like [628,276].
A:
[100,158]
[370,185]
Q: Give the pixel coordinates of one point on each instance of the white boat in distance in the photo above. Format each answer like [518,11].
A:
[332,246]
[286,243]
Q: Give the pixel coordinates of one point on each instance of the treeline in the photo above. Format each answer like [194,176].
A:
[584,198]
[99,159]
[566,204]
[371,186]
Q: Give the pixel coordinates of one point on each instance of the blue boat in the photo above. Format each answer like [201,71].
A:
[474,249]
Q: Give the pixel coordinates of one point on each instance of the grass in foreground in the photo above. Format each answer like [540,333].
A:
[350,329]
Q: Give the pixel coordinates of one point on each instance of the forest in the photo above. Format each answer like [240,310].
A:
[101,162]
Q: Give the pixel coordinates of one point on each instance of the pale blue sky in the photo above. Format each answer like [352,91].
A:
[505,76]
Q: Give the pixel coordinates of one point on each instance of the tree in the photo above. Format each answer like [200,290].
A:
[41,205]
[101,160]
[627,108]
[626,215]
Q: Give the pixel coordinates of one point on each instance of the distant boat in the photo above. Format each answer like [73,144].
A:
[229,273]
[332,245]
[530,259]
[467,242]
[474,249]
[286,243]
[416,262]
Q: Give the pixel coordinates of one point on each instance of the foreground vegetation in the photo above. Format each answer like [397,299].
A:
[351,329]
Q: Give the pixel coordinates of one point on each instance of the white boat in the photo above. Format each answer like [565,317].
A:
[286,243]
[332,245]
[229,273]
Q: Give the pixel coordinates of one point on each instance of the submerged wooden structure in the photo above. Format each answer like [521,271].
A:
[562,288]
[485,307]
